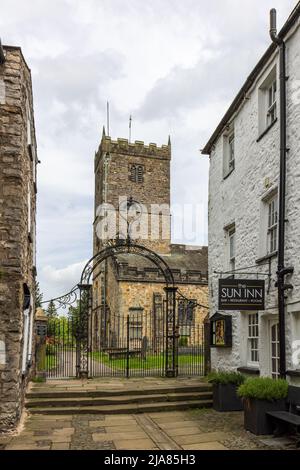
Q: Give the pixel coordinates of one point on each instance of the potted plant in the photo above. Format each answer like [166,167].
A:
[260,395]
[225,386]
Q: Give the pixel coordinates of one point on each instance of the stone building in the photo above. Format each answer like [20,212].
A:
[243,211]
[128,284]
[18,160]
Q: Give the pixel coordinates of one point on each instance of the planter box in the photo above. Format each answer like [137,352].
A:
[255,418]
[225,398]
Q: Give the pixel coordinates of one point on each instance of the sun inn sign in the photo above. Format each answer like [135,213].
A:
[241,294]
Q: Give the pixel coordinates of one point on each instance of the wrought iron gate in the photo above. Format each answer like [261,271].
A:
[133,345]
[94,342]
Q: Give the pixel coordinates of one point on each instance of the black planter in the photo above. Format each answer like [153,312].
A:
[255,418]
[225,398]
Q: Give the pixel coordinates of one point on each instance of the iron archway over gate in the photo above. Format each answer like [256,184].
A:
[85,303]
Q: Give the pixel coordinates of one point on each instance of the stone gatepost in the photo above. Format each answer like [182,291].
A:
[41,321]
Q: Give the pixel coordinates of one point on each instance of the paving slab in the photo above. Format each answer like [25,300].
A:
[183,431]
[26,447]
[96,423]
[135,444]
[67,432]
[98,437]
[214,445]
[196,429]
[119,419]
[200,437]
[166,414]
[175,424]
[130,428]
[60,446]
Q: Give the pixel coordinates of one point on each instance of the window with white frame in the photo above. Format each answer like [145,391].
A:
[231,152]
[271,103]
[267,97]
[230,234]
[272,224]
[275,357]
[253,339]
[228,152]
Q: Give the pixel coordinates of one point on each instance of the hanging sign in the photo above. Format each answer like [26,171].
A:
[241,294]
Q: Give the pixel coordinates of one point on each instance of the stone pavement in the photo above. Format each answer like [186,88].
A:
[186,430]
[115,384]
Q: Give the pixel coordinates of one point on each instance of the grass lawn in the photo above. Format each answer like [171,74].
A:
[151,362]
[50,362]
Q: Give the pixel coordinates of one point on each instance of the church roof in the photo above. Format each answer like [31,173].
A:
[189,266]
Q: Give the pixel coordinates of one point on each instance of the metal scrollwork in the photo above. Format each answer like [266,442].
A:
[117,249]
[66,300]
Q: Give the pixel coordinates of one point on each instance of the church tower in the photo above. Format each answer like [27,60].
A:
[125,170]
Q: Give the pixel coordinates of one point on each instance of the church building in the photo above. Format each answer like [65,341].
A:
[128,286]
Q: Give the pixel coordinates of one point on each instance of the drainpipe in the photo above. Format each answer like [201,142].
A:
[281,271]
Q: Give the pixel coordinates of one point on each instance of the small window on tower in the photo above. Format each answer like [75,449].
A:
[136,173]
[140,172]
[132,174]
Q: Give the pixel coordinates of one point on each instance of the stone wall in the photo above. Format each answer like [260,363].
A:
[112,169]
[238,199]
[17,239]
[135,295]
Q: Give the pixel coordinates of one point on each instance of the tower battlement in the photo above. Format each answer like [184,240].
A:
[137,148]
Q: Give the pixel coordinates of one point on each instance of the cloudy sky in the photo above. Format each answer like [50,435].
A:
[174,65]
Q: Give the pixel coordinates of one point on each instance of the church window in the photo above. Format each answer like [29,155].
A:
[136,173]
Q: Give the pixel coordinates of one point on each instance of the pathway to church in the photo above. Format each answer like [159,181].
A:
[193,429]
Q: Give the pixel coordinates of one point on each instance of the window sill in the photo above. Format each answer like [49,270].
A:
[249,370]
[228,174]
[267,257]
[266,130]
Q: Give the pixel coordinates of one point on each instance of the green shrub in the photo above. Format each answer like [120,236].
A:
[50,350]
[264,388]
[225,378]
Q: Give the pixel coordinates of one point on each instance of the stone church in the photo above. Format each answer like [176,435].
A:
[128,285]
[18,159]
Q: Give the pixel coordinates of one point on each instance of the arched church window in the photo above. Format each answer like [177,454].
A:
[139,175]
[136,173]
[132,175]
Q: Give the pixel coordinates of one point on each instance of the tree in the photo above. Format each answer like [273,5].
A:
[51,311]
[38,295]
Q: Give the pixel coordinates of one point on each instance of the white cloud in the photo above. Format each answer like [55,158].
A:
[174,65]
[61,280]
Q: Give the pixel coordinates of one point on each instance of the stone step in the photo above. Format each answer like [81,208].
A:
[47,392]
[110,400]
[131,408]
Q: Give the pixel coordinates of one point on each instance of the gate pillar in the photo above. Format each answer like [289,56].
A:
[85,308]
[171,333]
